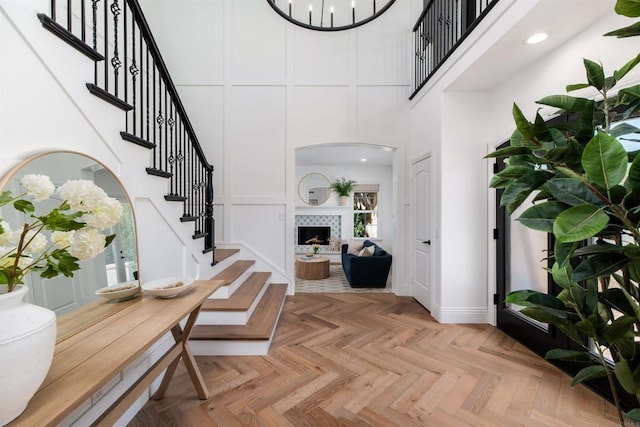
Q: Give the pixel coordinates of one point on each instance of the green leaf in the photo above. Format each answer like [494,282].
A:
[616,299]
[623,129]
[508,151]
[569,173]
[541,129]
[628,31]
[565,102]
[595,74]
[109,239]
[633,415]
[600,248]
[562,275]
[523,125]
[5,197]
[579,223]
[605,161]
[58,221]
[634,270]
[519,190]
[577,86]
[587,326]
[563,252]
[573,192]
[67,263]
[24,206]
[499,182]
[520,297]
[633,179]
[568,355]
[589,373]
[599,265]
[631,91]
[542,215]
[514,171]
[619,329]
[627,377]
[619,74]
[630,8]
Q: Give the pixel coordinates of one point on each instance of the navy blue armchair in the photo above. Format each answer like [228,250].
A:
[367,271]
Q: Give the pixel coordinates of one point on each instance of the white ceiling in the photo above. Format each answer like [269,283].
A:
[562,19]
[343,155]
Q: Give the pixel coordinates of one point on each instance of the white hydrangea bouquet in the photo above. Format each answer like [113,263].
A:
[75,229]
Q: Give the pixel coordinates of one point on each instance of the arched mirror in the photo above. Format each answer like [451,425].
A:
[74,299]
[314,189]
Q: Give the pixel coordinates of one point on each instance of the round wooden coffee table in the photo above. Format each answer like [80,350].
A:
[315,268]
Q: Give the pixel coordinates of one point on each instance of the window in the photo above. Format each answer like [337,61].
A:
[365,210]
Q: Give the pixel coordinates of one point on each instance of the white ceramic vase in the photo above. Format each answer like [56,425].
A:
[343,200]
[27,342]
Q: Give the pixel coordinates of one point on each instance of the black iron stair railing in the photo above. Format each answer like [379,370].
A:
[131,74]
[440,29]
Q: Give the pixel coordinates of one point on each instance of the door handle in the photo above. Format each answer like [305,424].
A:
[428,242]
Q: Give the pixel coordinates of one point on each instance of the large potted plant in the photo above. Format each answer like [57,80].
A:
[343,187]
[50,244]
[587,195]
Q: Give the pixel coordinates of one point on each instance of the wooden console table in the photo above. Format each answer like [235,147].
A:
[85,362]
[315,268]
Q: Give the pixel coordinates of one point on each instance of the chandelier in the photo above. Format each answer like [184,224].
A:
[330,15]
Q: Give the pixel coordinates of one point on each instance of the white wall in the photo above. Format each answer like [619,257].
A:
[257,87]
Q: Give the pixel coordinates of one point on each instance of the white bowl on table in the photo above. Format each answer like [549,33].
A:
[120,292]
[168,287]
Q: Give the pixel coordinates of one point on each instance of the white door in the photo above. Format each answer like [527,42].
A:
[420,231]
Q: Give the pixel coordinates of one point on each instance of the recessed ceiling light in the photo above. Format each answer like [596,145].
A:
[536,38]
[363,160]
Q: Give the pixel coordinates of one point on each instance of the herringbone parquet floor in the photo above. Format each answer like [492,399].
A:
[378,360]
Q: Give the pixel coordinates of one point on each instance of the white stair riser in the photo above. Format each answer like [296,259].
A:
[231,317]
[226,291]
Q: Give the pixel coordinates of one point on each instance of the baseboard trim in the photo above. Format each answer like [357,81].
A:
[460,314]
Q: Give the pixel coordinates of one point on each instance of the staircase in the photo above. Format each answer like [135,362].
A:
[130,74]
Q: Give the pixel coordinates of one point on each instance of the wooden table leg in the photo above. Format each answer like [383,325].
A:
[182,337]
[189,361]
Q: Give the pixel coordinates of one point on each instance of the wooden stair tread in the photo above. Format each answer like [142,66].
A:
[222,254]
[235,270]
[259,326]
[241,299]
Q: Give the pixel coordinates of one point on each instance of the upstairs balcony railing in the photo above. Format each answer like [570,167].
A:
[440,29]
[131,74]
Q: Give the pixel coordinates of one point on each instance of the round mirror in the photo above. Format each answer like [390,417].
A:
[74,299]
[314,189]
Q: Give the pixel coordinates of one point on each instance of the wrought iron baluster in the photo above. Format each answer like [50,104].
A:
[106,46]
[53,9]
[166,127]
[155,149]
[171,158]
[125,68]
[160,121]
[133,69]
[209,221]
[94,30]
[83,21]
[148,103]
[69,16]
[116,63]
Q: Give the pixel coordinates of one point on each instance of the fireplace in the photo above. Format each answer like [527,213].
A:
[308,235]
